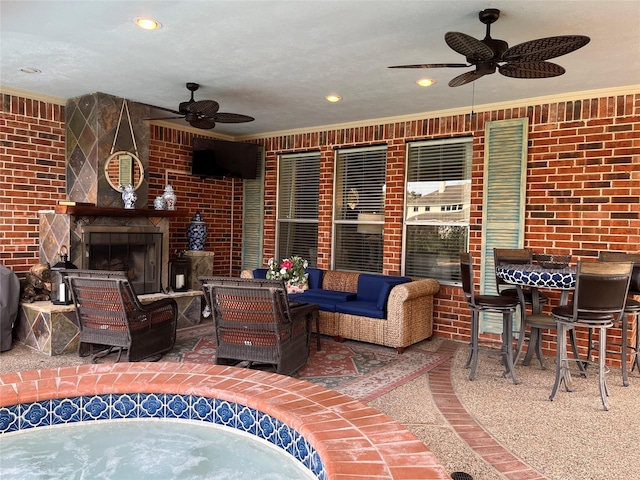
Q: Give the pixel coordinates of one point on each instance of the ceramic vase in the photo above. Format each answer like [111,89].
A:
[129,197]
[169,197]
[159,203]
[197,233]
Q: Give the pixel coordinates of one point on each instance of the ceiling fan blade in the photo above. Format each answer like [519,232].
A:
[473,49]
[164,109]
[231,118]
[544,48]
[465,78]
[203,123]
[165,118]
[433,65]
[531,70]
[207,108]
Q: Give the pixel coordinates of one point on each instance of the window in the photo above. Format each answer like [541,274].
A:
[438,178]
[359,209]
[298,188]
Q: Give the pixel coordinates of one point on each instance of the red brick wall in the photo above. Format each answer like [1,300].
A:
[32,174]
[170,160]
[583,183]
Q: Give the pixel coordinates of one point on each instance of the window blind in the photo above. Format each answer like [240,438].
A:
[437,207]
[359,209]
[298,192]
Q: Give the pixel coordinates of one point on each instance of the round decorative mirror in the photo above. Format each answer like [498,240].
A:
[122,169]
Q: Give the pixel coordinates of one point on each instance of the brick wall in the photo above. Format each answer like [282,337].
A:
[32,174]
[583,183]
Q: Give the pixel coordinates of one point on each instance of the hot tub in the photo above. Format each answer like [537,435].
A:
[330,433]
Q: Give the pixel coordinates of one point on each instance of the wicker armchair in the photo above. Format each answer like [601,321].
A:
[254,324]
[111,317]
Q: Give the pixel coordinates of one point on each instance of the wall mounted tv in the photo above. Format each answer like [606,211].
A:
[220,158]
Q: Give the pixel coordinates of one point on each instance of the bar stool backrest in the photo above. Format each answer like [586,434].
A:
[634,285]
[601,288]
[466,272]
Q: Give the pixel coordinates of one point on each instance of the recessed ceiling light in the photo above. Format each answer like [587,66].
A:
[147,23]
[333,98]
[30,70]
[425,82]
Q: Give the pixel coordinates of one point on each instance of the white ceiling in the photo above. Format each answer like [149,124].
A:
[277,60]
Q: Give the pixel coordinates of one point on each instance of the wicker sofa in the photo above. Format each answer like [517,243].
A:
[406,306]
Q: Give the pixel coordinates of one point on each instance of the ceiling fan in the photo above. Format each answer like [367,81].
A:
[525,60]
[203,113]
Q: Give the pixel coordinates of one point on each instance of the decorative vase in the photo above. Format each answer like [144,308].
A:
[169,197]
[129,197]
[197,232]
[159,203]
[298,287]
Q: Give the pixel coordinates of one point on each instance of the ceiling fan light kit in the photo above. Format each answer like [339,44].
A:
[525,60]
[203,114]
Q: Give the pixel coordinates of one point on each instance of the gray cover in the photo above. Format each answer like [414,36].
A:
[9,302]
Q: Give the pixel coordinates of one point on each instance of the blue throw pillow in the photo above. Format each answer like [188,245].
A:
[260,273]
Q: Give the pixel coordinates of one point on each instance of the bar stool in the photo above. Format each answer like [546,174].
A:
[598,301]
[519,256]
[487,303]
[631,310]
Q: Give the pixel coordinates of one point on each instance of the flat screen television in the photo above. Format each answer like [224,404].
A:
[214,158]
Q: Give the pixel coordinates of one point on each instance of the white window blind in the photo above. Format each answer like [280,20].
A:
[298,191]
[359,209]
[437,207]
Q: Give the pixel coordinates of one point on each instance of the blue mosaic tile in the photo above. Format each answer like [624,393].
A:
[203,409]
[96,408]
[225,413]
[246,420]
[151,405]
[66,410]
[37,414]
[125,406]
[178,406]
[9,419]
[222,412]
[266,427]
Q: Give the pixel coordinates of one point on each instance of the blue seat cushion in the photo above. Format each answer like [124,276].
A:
[320,295]
[360,308]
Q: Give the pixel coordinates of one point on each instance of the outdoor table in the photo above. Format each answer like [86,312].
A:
[536,276]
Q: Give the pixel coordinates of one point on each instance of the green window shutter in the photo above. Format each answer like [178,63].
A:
[503,205]
[252,217]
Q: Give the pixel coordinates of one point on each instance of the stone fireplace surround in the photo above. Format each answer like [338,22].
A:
[91,125]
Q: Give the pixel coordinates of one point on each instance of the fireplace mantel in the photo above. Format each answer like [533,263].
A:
[92,211]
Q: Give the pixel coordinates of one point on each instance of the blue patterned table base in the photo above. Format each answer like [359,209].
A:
[151,405]
[538,276]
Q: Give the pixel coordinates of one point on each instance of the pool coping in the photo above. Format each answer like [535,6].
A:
[354,441]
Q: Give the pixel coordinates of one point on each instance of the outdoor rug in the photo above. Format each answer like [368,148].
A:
[361,370]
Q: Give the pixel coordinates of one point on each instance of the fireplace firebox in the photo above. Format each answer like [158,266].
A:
[136,251]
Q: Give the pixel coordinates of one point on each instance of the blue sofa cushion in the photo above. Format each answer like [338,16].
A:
[360,308]
[320,295]
[315,277]
[370,286]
